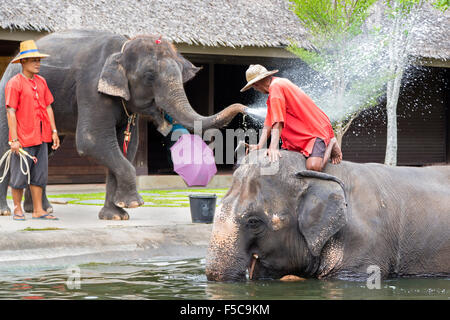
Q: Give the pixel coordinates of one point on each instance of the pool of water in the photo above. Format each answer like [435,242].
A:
[185,279]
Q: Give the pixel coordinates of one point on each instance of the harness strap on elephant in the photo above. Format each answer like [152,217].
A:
[127,132]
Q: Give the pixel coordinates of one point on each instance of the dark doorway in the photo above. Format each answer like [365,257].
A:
[8,50]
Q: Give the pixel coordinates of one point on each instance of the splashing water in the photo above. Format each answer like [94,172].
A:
[256,112]
[353,75]
[257,115]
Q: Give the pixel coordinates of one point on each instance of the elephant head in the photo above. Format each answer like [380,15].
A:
[148,73]
[275,224]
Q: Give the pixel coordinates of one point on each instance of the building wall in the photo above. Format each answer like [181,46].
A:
[66,166]
[423,123]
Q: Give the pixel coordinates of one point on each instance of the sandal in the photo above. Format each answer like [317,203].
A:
[47,216]
[19,217]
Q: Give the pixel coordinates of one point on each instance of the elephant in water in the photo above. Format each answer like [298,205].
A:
[97,80]
[346,223]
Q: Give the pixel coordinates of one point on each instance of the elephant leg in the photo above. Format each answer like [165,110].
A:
[45,202]
[28,201]
[4,208]
[102,144]
[110,211]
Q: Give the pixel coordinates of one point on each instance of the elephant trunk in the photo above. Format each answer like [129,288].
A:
[225,259]
[176,104]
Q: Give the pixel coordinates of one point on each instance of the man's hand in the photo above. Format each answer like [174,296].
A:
[273,154]
[55,139]
[252,147]
[15,146]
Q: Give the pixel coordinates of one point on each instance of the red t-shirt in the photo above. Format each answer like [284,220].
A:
[30,98]
[303,120]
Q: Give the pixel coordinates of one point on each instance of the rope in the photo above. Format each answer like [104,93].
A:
[127,133]
[7,159]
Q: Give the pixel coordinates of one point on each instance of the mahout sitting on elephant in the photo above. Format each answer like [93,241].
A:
[101,81]
[342,223]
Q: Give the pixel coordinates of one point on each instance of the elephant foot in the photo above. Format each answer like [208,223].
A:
[5,212]
[129,202]
[28,207]
[113,214]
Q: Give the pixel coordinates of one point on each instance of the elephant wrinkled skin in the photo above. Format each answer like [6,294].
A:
[335,224]
[90,74]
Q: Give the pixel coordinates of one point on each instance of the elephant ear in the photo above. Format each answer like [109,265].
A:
[113,80]
[188,70]
[322,209]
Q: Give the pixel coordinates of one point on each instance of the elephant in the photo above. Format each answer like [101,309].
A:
[102,81]
[349,222]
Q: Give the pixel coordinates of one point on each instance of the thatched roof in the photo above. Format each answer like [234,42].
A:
[429,27]
[230,23]
[434,41]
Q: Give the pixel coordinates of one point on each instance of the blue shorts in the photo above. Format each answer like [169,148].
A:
[38,171]
[318,149]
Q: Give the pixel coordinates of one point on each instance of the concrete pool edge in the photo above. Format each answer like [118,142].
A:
[103,244]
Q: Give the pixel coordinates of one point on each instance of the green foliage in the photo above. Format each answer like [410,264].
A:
[343,54]
[403,7]
[311,58]
[332,19]
[442,5]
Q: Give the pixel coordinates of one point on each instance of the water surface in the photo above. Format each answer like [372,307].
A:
[185,279]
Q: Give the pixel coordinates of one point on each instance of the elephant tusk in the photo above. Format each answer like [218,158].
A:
[252,267]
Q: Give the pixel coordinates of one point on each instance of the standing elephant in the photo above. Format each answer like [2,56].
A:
[343,223]
[98,80]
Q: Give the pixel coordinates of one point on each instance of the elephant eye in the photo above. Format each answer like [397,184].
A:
[254,224]
[149,77]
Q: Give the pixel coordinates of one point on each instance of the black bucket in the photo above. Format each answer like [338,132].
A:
[203,207]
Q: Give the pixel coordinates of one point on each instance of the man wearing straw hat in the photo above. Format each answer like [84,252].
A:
[31,126]
[293,116]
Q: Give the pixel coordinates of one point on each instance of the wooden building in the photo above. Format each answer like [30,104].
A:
[224,38]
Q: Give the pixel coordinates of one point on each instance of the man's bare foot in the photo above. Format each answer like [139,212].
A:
[18,214]
[44,216]
[336,153]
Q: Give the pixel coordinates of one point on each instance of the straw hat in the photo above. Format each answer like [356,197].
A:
[28,49]
[255,73]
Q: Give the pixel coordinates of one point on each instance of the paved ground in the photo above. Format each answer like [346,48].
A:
[82,237]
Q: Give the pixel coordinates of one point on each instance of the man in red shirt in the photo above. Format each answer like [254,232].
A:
[31,126]
[293,116]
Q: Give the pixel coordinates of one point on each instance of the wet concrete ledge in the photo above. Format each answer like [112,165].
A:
[82,238]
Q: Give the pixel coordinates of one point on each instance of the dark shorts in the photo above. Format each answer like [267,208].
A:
[318,148]
[38,171]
